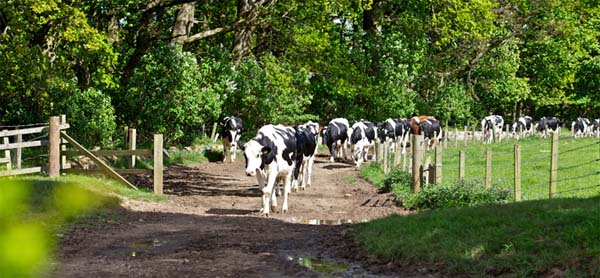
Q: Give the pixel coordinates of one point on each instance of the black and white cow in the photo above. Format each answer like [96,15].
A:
[580,127]
[335,136]
[231,130]
[522,127]
[398,131]
[269,156]
[306,144]
[490,127]
[551,124]
[596,128]
[431,130]
[361,137]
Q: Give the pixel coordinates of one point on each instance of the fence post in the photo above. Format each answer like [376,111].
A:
[517,188]
[18,152]
[132,139]
[7,152]
[488,168]
[455,136]
[63,146]
[438,165]
[417,161]
[427,169]
[397,154]
[446,136]
[379,151]
[158,164]
[466,136]
[553,164]
[54,147]
[214,131]
[385,157]
[461,164]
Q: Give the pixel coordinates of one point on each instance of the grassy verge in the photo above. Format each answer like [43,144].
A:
[518,239]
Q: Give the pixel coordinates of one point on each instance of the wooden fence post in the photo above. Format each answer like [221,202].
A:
[63,146]
[446,133]
[385,157]
[397,155]
[553,165]
[455,136]
[214,132]
[132,141]
[466,136]
[417,162]
[461,164]
[517,187]
[488,168]
[438,165]
[379,151]
[158,164]
[6,141]
[427,169]
[18,152]
[54,147]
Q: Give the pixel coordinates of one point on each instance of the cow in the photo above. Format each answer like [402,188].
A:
[397,130]
[270,155]
[306,146]
[490,126]
[546,124]
[522,127]
[580,127]
[231,130]
[335,136]
[596,127]
[415,122]
[361,137]
[432,131]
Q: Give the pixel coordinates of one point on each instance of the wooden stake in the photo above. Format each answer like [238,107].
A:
[517,186]
[488,168]
[553,165]
[54,147]
[158,163]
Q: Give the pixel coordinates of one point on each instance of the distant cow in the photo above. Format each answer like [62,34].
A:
[580,127]
[335,136]
[546,124]
[596,127]
[231,130]
[306,145]
[361,137]
[522,127]
[397,130]
[432,131]
[415,121]
[490,127]
[269,156]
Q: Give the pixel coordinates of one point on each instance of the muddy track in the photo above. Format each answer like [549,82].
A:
[210,227]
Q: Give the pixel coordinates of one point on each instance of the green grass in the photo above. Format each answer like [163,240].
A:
[578,164]
[522,239]
[373,173]
[43,185]
[185,157]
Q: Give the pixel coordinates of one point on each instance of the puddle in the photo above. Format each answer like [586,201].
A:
[139,246]
[320,266]
[333,222]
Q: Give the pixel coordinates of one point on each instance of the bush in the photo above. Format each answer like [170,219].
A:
[463,193]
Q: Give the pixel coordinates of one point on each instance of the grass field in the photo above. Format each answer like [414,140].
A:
[524,239]
[578,165]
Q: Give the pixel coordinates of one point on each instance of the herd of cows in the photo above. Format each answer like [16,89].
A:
[285,155]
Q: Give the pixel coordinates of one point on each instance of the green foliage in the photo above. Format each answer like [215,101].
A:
[463,193]
[165,95]
[185,157]
[91,117]
[521,239]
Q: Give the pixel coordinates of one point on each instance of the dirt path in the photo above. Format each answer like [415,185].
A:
[210,227]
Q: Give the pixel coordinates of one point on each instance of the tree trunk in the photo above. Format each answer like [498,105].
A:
[244,32]
[372,18]
[183,24]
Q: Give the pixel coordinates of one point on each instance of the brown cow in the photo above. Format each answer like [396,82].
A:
[415,121]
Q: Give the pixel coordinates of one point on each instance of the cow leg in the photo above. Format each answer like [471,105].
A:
[268,193]
[226,146]
[311,161]
[332,152]
[261,184]
[286,192]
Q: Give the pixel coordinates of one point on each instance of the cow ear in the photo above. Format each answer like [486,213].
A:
[265,150]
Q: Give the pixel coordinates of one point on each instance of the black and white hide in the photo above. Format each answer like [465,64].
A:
[522,127]
[548,124]
[596,127]
[269,156]
[306,146]
[335,136]
[491,126]
[398,132]
[231,130]
[580,127]
[432,131]
[361,138]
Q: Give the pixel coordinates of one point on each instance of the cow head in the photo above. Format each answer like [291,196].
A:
[258,153]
